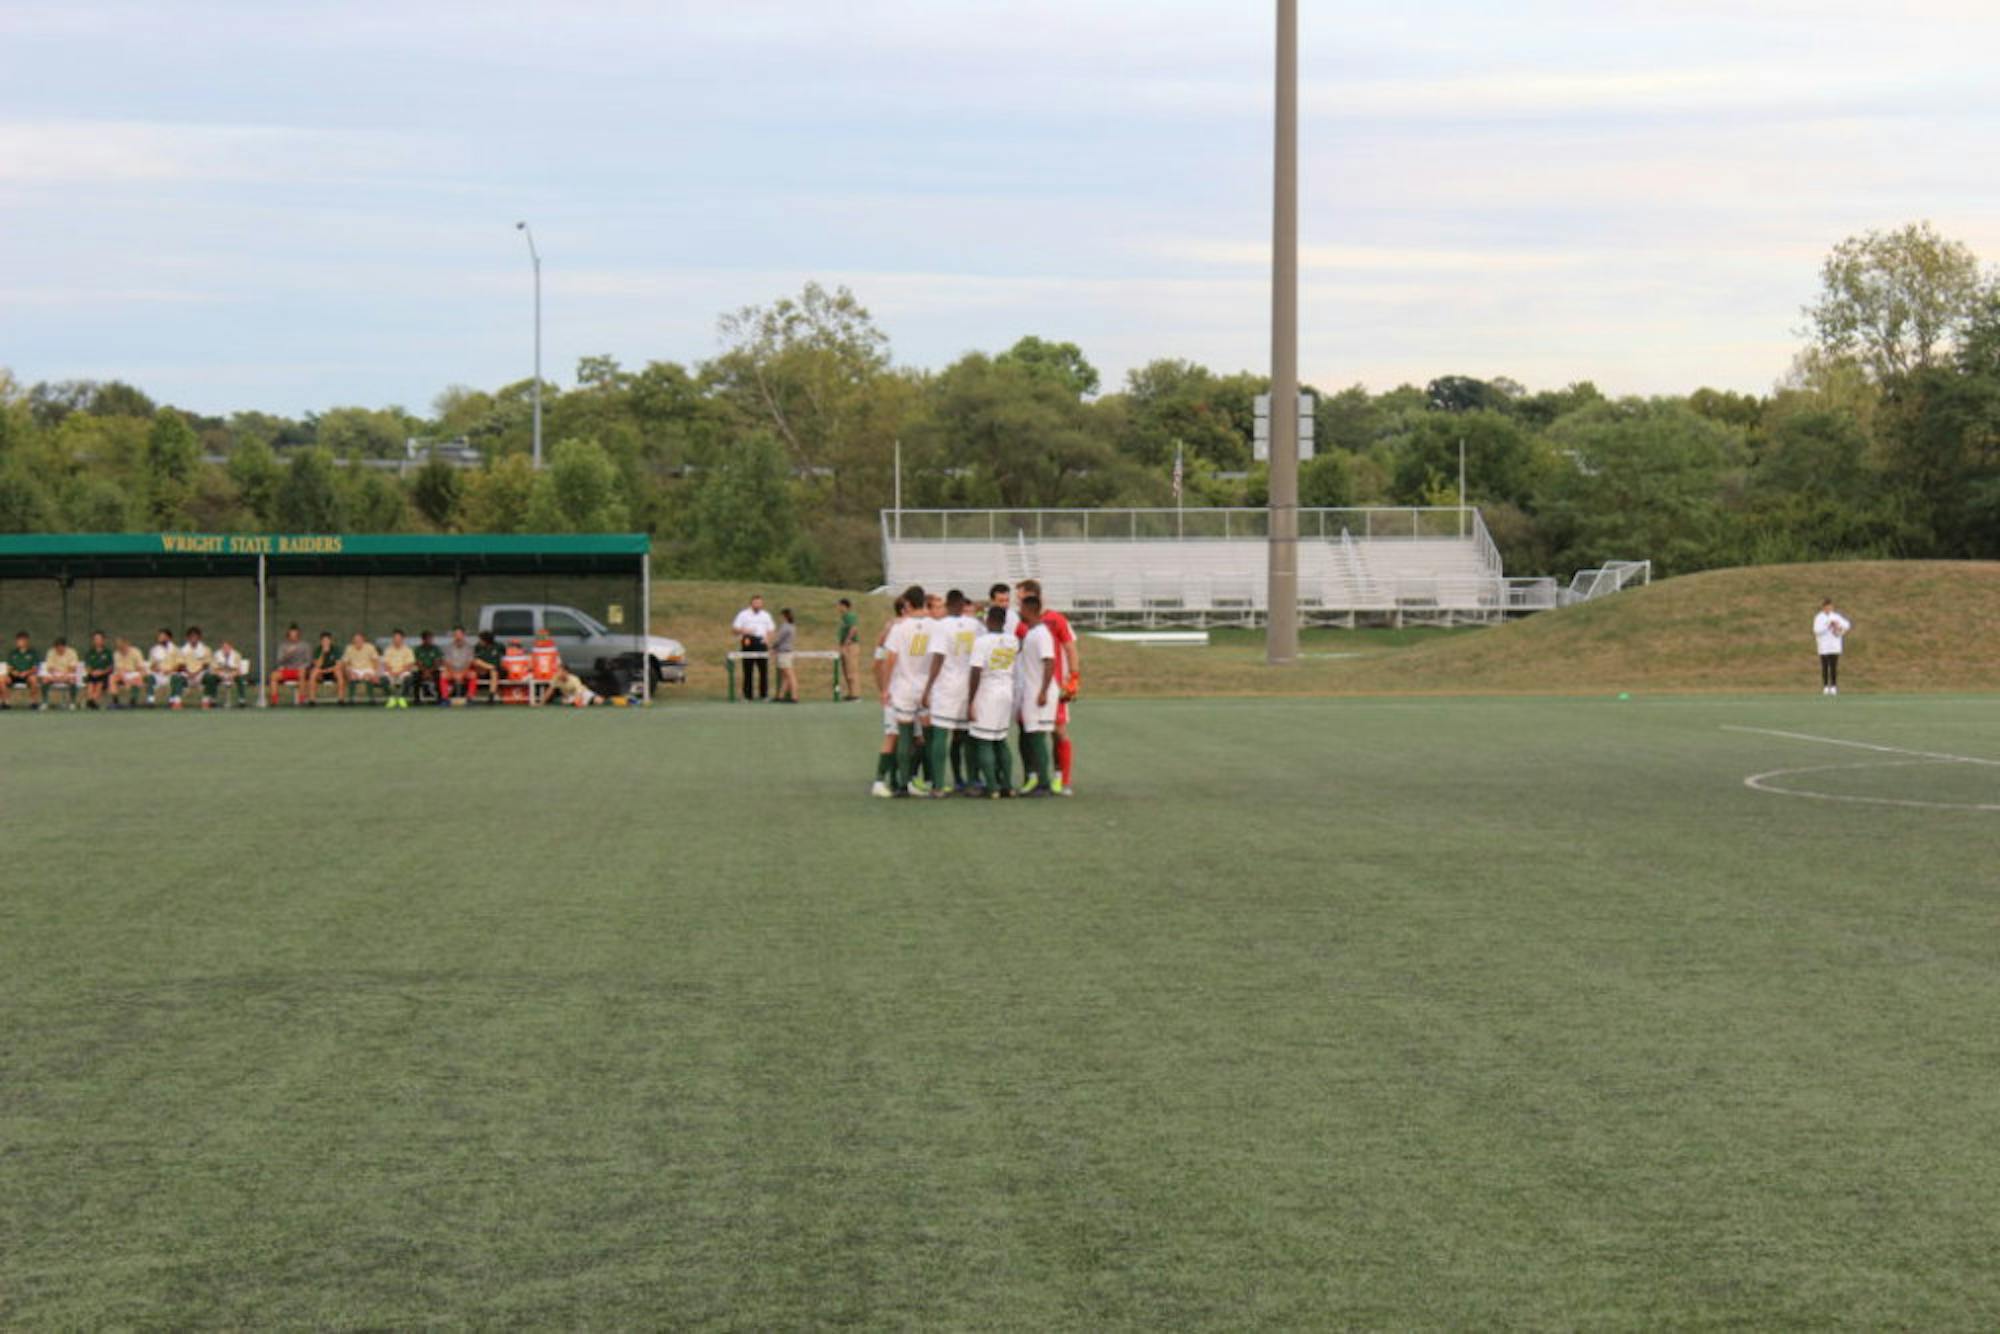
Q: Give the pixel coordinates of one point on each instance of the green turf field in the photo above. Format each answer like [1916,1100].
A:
[1459,1013]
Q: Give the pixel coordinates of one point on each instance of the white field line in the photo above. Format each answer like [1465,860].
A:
[1762,782]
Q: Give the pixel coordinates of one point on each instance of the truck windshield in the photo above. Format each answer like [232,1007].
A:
[563,623]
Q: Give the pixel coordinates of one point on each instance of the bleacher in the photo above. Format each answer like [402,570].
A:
[1208,567]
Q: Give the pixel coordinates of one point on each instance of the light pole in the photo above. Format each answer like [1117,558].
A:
[1281,632]
[536,257]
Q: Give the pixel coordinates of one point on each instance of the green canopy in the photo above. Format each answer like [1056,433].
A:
[139,555]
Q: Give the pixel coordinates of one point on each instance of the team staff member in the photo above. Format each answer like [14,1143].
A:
[1830,633]
[97,664]
[295,660]
[848,641]
[326,666]
[753,628]
[128,673]
[1069,678]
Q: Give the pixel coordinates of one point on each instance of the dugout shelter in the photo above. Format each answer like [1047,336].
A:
[246,587]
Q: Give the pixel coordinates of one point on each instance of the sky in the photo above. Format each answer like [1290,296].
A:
[291,206]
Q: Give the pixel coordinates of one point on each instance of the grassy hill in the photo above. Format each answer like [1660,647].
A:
[1919,625]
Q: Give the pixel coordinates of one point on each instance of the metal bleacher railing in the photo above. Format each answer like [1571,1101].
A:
[1207,566]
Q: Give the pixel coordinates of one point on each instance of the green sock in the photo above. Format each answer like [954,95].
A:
[958,758]
[906,753]
[176,684]
[885,766]
[1003,764]
[937,743]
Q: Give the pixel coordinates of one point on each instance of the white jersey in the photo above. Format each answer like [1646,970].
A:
[195,657]
[1038,653]
[993,706]
[229,662]
[955,636]
[1828,627]
[910,641]
[159,660]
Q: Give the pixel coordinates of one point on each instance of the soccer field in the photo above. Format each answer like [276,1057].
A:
[1385,1013]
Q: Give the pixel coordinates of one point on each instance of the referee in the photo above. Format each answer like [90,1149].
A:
[753,627]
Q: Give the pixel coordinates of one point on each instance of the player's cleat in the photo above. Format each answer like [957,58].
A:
[1034,782]
[919,788]
[881,789]
[971,790]
[173,703]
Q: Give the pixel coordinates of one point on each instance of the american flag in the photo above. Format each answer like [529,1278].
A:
[1177,470]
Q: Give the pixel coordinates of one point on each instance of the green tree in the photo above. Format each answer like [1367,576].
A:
[1012,437]
[1502,460]
[741,520]
[25,506]
[581,492]
[254,468]
[309,499]
[1640,479]
[437,492]
[1063,363]
[1897,301]
[363,432]
[373,501]
[496,499]
[172,456]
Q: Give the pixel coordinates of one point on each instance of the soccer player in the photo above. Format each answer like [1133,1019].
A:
[947,697]
[457,668]
[164,662]
[361,665]
[568,687]
[990,682]
[399,670]
[128,673]
[21,671]
[229,671]
[61,670]
[848,642]
[97,663]
[1037,696]
[885,760]
[295,660]
[326,666]
[907,670]
[1069,678]
[488,658]
[430,669]
[196,657]
[1001,596]
[1830,632]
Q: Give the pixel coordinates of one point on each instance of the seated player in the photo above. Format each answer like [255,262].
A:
[196,659]
[229,671]
[992,689]
[97,663]
[22,671]
[1036,698]
[458,676]
[326,666]
[62,670]
[488,662]
[293,668]
[361,665]
[128,674]
[399,670]
[430,662]
[164,664]
[569,688]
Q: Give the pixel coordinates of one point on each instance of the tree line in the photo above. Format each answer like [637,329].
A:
[773,459]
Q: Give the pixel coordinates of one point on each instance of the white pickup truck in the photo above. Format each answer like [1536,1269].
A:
[608,660]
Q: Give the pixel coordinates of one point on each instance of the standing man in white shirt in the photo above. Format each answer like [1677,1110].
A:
[906,667]
[753,628]
[1037,698]
[947,695]
[1830,632]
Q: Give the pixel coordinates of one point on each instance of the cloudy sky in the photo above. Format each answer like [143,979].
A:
[295,205]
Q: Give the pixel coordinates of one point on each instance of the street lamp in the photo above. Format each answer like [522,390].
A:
[535,256]
[1281,630]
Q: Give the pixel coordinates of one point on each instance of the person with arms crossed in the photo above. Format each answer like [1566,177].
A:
[847,640]
[990,682]
[293,668]
[196,658]
[1830,633]
[457,678]
[361,665]
[1038,698]
[97,664]
[753,628]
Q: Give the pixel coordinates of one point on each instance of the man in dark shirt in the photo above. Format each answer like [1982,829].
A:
[23,672]
[96,671]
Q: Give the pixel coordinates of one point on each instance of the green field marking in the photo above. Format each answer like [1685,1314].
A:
[1388,1013]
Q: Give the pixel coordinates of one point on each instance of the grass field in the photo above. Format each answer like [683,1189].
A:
[1445,1013]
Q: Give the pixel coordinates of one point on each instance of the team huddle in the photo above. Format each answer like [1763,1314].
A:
[954,686]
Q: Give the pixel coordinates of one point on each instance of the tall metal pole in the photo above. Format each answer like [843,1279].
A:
[263,648]
[535,257]
[1281,638]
